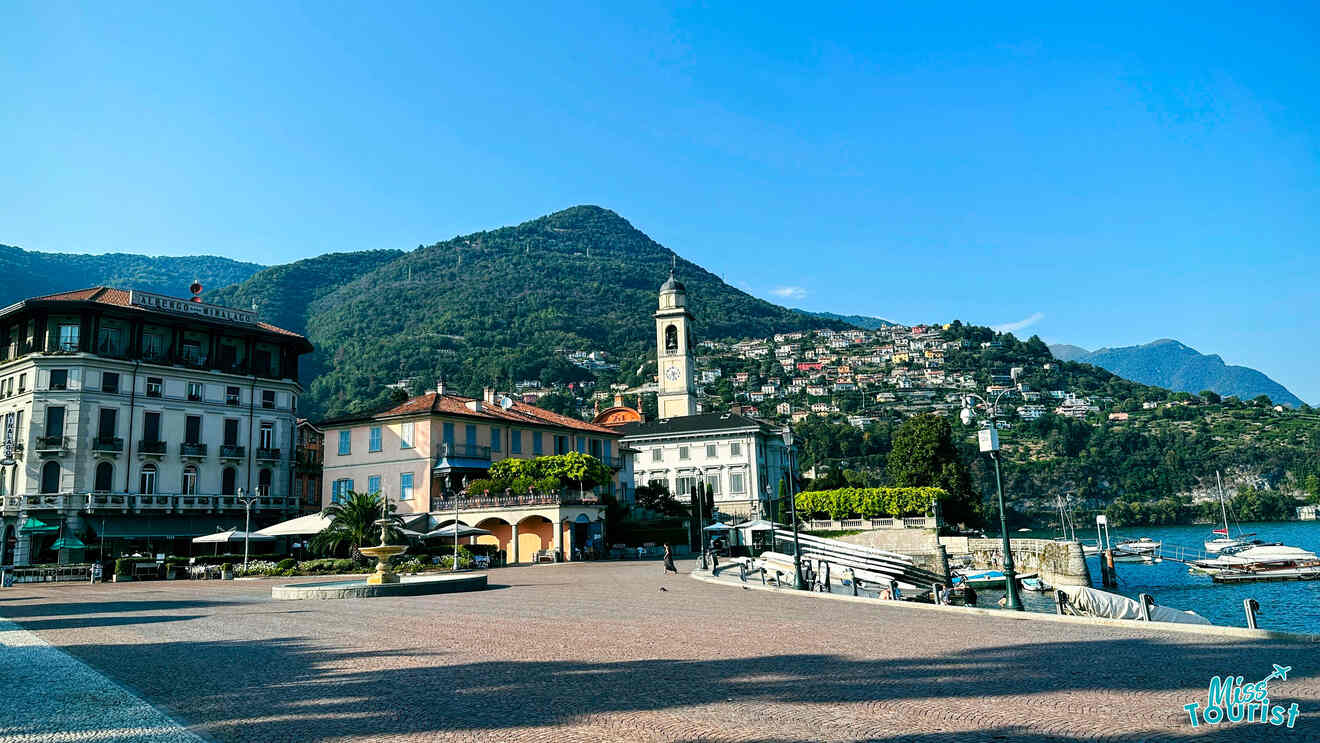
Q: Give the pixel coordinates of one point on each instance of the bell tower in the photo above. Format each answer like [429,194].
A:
[673,350]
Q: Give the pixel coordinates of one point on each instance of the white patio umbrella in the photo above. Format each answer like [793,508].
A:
[449,530]
[314,523]
[718,527]
[232,535]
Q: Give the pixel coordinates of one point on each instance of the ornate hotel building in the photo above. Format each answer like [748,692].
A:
[139,418]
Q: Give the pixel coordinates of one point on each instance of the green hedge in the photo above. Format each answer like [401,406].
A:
[868,502]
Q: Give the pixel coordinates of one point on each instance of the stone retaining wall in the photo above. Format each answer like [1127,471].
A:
[1057,562]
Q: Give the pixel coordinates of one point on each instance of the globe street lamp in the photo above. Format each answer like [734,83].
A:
[797,546]
[988,438]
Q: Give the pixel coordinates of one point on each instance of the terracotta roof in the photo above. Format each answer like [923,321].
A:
[120,298]
[456,405]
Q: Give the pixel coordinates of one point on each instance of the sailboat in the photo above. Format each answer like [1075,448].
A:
[1219,539]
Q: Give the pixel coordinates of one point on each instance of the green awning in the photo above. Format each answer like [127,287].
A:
[69,543]
[36,526]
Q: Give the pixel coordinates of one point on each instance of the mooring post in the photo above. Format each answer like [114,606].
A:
[942,559]
[1108,576]
[825,577]
[893,589]
[1252,607]
[1060,601]
[1146,601]
[854,581]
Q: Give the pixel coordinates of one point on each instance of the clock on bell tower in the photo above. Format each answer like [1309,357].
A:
[673,354]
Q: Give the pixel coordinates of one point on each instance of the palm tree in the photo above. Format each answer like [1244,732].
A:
[352,522]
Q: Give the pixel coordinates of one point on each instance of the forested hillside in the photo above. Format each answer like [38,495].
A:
[25,273]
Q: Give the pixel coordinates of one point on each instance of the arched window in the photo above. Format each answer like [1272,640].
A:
[147,483]
[227,479]
[190,480]
[105,473]
[671,339]
[263,482]
[50,477]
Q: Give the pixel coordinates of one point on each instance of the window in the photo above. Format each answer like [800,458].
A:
[470,435]
[713,482]
[345,447]
[228,477]
[105,473]
[109,382]
[581,443]
[683,452]
[106,423]
[261,362]
[686,485]
[50,477]
[107,342]
[448,429]
[495,438]
[736,482]
[59,379]
[267,435]
[151,346]
[192,352]
[264,480]
[657,455]
[538,445]
[339,490]
[373,439]
[192,429]
[268,398]
[231,432]
[595,448]
[147,482]
[735,449]
[154,386]
[406,433]
[22,383]
[54,421]
[231,395]
[515,441]
[373,484]
[190,480]
[151,426]
[69,337]
[712,451]
[195,391]
[405,486]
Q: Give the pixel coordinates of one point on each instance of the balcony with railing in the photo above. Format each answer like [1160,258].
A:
[180,502]
[193,450]
[108,445]
[567,497]
[268,454]
[151,447]
[232,451]
[462,455]
[52,444]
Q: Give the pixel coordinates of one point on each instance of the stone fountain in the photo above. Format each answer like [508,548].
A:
[383,552]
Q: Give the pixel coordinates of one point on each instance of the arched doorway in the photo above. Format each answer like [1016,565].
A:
[535,533]
[50,477]
[264,479]
[501,533]
[7,551]
[105,474]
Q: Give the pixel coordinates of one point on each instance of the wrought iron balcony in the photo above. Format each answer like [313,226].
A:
[187,449]
[568,497]
[230,451]
[52,443]
[108,443]
[268,453]
[462,451]
[151,447]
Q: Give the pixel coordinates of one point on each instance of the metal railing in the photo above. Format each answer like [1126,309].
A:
[463,451]
[151,447]
[512,500]
[232,451]
[108,443]
[187,449]
[268,453]
[51,573]
[52,443]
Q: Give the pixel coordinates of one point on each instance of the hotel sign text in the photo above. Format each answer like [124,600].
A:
[163,303]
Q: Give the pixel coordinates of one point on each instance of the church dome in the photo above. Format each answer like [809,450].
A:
[672,285]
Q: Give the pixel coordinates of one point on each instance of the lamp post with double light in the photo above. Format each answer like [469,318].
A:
[792,503]
[247,524]
[988,439]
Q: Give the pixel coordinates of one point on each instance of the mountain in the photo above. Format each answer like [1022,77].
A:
[1066,352]
[492,307]
[1172,365]
[25,273]
[862,321]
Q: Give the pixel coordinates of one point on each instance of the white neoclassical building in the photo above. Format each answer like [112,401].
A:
[138,418]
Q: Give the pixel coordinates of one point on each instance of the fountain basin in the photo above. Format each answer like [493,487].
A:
[413,585]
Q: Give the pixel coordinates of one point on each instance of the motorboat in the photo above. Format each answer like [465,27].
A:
[979,578]
[1264,561]
[1144,549]
[1035,584]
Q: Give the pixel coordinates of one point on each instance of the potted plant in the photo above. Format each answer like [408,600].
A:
[123,570]
[226,572]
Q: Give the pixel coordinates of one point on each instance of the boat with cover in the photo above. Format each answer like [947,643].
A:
[1085,601]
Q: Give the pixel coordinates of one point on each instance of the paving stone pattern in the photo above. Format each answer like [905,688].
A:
[597,652]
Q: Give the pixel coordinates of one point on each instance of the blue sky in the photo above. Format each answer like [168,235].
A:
[1101,176]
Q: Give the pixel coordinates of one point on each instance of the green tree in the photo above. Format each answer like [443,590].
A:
[924,456]
[352,524]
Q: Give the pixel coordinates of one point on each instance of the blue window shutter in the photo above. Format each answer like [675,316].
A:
[515,441]
[449,434]
[470,434]
[494,438]
[609,448]
[538,447]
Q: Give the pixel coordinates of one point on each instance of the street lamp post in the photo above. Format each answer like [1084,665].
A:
[988,438]
[701,525]
[247,525]
[792,504]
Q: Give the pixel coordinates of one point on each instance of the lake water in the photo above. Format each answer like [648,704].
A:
[1291,606]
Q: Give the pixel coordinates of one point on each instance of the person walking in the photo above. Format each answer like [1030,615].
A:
[669,561]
